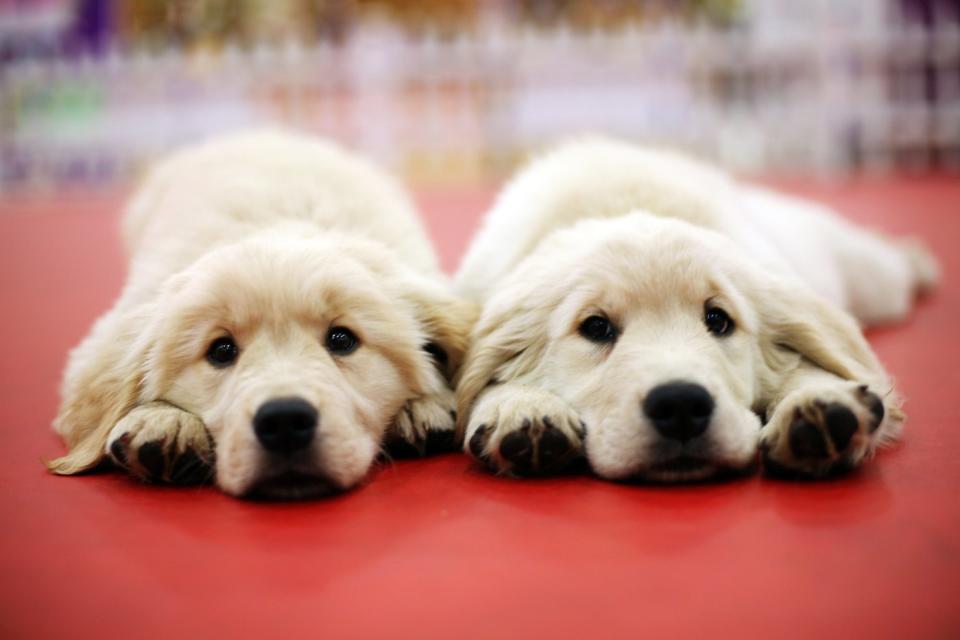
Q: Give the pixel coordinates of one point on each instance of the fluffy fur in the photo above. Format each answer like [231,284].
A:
[651,241]
[272,240]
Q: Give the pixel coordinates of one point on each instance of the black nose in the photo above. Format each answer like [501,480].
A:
[679,410]
[285,425]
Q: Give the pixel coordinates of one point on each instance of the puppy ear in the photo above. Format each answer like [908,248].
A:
[445,319]
[796,319]
[102,383]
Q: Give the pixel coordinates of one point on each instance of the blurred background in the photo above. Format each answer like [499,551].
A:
[458,91]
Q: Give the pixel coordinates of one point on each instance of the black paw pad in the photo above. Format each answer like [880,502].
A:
[152,460]
[478,442]
[441,441]
[118,449]
[841,423]
[517,448]
[190,469]
[806,441]
[582,431]
[555,448]
[400,448]
[876,409]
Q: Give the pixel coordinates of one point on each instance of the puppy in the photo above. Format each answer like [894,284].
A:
[647,311]
[284,314]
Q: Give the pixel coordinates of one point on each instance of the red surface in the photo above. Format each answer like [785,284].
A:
[437,548]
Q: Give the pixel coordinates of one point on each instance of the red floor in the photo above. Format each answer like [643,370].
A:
[438,549]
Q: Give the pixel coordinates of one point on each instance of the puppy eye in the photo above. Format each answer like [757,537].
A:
[341,341]
[718,322]
[222,352]
[598,329]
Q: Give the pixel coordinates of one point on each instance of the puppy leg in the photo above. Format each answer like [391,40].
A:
[873,276]
[159,442]
[823,424]
[883,275]
[520,430]
[424,426]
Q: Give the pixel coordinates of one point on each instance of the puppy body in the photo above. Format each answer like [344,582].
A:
[599,178]
[653,243]
[272,242]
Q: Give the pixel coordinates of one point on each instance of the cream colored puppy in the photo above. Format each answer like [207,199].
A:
[283,314]
[648,311]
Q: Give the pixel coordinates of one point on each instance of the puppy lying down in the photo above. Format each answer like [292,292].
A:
[648,311]
[283,314]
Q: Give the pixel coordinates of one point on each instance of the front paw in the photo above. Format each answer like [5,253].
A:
[425,426]
[818,431]
[158,442]
[524,432]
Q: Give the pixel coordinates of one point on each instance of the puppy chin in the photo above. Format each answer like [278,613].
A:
[710,459]
[246,471]
[677,467]
[291,485]
[270,478]
[682,469]
[678,470]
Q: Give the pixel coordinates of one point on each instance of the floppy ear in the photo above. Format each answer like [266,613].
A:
[796,319]
[445,319]
[508,342]
[102,383]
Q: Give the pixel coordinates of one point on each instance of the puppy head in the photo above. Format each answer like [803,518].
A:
[661,337]
[296,353]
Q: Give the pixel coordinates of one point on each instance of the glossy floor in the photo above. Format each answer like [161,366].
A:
[439,549]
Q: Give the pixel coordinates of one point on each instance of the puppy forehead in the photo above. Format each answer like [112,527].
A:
[650,270]
[254,282]
[662,268]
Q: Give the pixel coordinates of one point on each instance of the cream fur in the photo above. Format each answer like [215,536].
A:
[647,238]
[272,239]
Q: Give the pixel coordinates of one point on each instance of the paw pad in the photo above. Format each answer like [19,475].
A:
[874,403]
[806,441]
[190,469]
[522,431]
[823,431]
[152,460]
[424,426]
[478,443]
[841,424]
[160,443]
[536,447]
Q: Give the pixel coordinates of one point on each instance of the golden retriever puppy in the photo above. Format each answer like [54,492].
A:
[284,313]
[649,312]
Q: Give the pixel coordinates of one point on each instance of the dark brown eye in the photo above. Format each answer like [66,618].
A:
[341,341]
[598,329]
[718,322]
[222,352]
